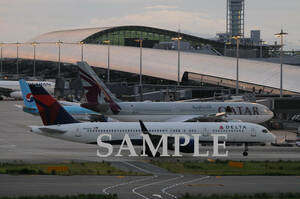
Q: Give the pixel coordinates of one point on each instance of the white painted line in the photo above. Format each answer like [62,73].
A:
[130,182]
[134,190]
[178,184]
[157,195]
[125,183]
[8,146]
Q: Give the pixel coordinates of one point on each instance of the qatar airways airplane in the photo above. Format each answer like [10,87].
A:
[58,123]
[100,99]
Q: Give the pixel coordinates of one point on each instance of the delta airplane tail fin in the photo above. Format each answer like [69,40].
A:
[97,92]
[29,103]
[51,112]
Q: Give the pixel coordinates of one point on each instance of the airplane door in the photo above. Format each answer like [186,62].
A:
[253,132]
[78,132]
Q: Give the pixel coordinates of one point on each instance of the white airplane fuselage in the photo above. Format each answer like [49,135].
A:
[15,90]
[88,132]
[181,111]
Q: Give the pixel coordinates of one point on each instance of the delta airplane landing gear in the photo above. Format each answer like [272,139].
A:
[245,153]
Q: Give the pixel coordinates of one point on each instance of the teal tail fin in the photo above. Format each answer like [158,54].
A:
[29,103]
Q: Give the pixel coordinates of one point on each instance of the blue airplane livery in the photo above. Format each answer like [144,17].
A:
[74,109]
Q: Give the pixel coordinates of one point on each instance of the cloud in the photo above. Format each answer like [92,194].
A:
[160,7]
[11,31]
[169,19]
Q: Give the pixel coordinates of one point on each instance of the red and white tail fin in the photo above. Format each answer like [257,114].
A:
[97,92]
[51,112]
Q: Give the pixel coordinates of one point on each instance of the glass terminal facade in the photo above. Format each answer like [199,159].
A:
[128,36]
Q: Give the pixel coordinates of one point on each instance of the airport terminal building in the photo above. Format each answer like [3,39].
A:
[159,57]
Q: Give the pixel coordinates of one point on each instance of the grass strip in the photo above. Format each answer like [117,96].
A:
[89,168]
[228,168]
[250,196]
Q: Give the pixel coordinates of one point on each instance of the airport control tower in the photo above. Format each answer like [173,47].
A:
[235,18]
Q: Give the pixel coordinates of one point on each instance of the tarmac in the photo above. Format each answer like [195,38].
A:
[19,145]
[157,186]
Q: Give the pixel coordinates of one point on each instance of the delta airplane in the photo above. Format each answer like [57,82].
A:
[12,89]
[100,99]
[74,109]
[60,124]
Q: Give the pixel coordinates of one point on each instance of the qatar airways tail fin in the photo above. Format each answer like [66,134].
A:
[97,92]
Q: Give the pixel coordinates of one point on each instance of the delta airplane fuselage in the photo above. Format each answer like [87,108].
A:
[88,132]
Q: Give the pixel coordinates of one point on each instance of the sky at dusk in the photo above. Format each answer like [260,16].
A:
[21,20]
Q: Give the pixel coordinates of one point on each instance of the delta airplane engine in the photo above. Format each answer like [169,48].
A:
[189,148]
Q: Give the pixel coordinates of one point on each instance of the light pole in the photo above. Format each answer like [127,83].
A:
[1,58]
[34,46]
[81,44]
[261,45]
[225,46]
[237,38]
[108,59]
[141,67]
[281,35]
[178,56]
[59,44]
[17,58]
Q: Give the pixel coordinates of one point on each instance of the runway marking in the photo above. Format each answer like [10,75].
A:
[130,182]
[146,185]
[134,190]
[8,146]
[182,183]
[157,195]
[125,183]
[5,144]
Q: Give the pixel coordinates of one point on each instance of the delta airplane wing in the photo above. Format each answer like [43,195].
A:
[193,118]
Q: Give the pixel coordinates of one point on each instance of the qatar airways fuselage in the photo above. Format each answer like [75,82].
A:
[100,99]
[185,111]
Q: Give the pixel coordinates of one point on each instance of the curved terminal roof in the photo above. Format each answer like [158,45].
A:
[159,63]
[71,36]
[118,34]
